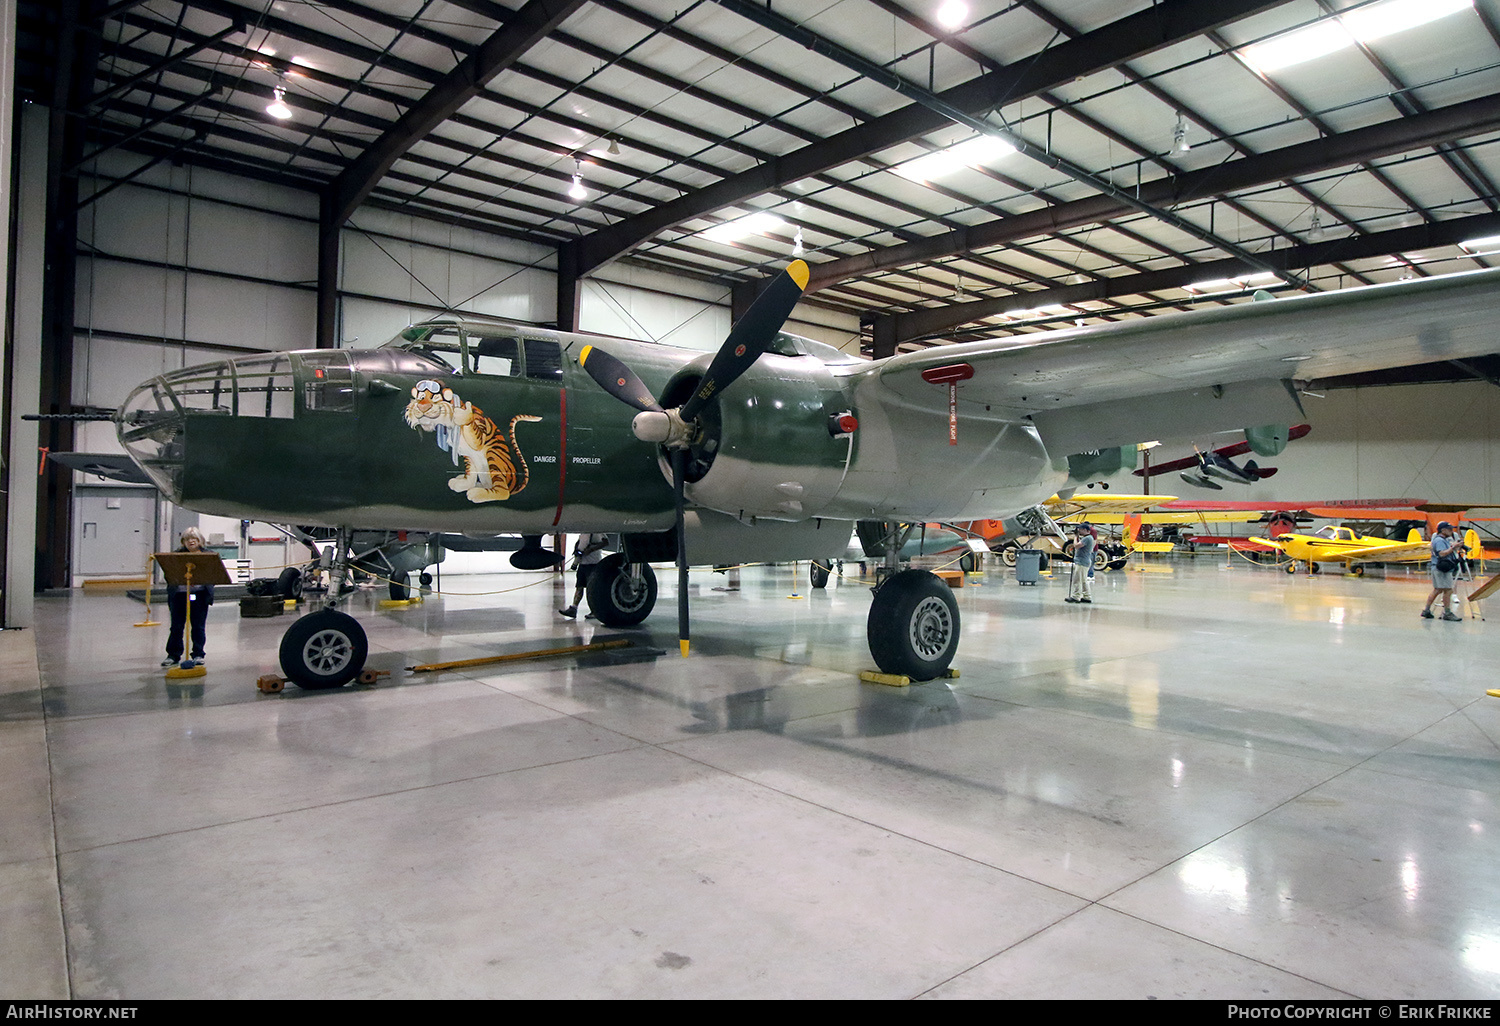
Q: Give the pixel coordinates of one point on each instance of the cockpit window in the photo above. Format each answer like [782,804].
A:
[330,382]
[496,355]
[543,359]
[443,346]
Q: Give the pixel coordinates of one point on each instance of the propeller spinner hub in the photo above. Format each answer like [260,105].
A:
[664,427]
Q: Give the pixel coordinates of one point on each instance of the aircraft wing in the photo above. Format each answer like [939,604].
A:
[1404,553]
[1328,509]
[1216,369]
[1058,508]
[1169,517]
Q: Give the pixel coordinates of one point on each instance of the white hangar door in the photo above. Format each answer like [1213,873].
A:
[114,530]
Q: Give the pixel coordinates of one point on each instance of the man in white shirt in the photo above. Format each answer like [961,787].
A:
[588,551]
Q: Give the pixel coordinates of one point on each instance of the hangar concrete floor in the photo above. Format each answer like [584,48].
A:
[1214,782]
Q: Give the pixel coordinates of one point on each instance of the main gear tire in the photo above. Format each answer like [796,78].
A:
[616,597]
[913,625]
[326,649]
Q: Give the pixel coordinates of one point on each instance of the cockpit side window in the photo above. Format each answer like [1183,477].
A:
[543,359]
[495,355]
[443,346]
[330,382]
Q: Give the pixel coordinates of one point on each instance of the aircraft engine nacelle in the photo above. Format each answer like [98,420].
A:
[1087,466]
[1269,440]
[774,445]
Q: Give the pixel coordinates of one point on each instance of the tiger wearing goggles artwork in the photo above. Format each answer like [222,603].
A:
[463,430]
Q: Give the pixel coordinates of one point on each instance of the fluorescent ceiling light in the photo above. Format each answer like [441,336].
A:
[1260,280]
[1035,311]
[1380,20]
[1332,34]
[760,223]
[979,150]
[1487,244]
[1213,285]
[1305,44]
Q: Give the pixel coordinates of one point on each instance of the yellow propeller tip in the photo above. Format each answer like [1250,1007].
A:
[684,646]
[799,272]
[584,355]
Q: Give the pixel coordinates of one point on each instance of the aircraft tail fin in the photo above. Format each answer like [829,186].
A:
[1472,548]
[1413,536]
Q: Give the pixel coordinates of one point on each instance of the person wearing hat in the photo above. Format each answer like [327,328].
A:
[1081,580]
[182,604]
[1446,548]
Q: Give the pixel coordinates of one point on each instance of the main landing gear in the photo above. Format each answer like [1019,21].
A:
[913,624]
[621,594]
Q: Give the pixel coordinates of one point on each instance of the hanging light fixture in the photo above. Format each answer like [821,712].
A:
[1315,231]
[577,191]
[1179,134]
[797,242]
[278,108]
[614,146]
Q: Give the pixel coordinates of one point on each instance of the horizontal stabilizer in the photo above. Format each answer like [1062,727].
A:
[113,466]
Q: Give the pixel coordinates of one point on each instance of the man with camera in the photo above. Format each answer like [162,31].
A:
[1447,551]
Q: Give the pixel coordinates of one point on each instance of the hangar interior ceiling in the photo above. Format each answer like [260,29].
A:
[1028,166]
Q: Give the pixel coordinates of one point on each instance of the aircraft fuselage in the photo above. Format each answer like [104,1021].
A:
[477,426]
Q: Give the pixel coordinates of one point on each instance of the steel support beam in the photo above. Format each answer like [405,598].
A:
[529,26]
[876,73]
[170,61]
[329,237]
[1162,24]
[905,327]
[355,183]
[1445,124]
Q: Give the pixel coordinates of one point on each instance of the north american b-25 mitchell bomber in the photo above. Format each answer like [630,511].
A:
[766,450]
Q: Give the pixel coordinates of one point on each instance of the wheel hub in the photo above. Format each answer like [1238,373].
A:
[328,651]
[931,629]
[629,591]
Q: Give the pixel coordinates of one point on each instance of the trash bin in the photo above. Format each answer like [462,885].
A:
[1028,566]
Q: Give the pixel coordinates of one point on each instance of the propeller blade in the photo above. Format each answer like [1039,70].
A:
[751,335]
[617,379]
[679,474]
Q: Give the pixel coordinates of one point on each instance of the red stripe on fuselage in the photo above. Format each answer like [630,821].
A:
[562,454]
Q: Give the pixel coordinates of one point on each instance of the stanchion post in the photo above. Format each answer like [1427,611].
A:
[150,577]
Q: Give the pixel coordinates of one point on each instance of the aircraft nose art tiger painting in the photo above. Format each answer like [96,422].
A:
[474,441]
